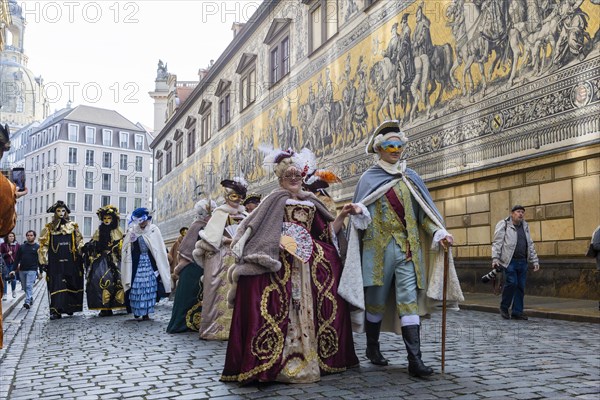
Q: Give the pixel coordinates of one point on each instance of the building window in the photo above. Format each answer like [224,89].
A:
[159,169]
[106,182]
[107,137]
[71,201]
[137,203]
[89,157]
[106,160]
[72,156]
[104,200]
[87,226]
[138,163]
[179,152]
[123,183]
[123,162]
[72,178]
[123,206]
[191,141]
[323,22]
[369,3]
[138,184]
[280,60]
[248,88]
[87,202]
[224,110]
[89,180]
[122,224]
[205,129]
[90,135]
[73,133]
[168,158]
[139,142]
[123,140]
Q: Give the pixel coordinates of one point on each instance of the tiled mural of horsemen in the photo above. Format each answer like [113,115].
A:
[454,72]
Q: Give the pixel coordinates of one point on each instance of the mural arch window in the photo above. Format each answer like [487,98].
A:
[247,71]
[224,95]
[178,146]
[159,165]
[205,122]
[278,40]
[323,22]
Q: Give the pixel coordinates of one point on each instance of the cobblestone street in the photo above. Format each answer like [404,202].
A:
[87,357]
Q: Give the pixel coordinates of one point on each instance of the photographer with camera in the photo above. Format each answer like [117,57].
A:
[512,250]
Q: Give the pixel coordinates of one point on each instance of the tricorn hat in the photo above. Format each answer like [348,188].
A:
[57,205]
[237,184]
[108,210]
[252,198]
[386,127]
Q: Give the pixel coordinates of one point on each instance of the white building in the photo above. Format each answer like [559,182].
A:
[88,157]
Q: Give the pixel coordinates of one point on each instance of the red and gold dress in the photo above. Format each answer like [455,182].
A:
[291,325]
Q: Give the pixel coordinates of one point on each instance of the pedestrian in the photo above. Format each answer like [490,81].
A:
[388,247]
[513,250]
[28,265]
[145,269]
[104,288]
[9,249]
[594,249]
[187,305]
[60,256]
[252,201]
[289,323]
[213,253]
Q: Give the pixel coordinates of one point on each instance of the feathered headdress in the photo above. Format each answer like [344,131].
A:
[108,210]
[305,160]
[204,207]
[238,184]
[318,178]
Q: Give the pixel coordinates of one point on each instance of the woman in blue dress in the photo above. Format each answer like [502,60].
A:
[145,268]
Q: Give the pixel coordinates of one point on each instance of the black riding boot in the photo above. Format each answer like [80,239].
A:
[412,339]
[373,352]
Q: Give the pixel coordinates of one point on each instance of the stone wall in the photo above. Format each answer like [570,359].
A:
[561,195]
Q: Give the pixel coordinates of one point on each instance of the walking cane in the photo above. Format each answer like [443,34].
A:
[447,249]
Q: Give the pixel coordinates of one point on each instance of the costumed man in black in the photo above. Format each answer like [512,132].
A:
[60,256]
[103,258]
[252,201]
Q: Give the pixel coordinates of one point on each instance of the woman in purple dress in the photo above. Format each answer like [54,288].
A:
[289,324]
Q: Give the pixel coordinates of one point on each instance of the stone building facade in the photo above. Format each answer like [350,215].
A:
[500,101]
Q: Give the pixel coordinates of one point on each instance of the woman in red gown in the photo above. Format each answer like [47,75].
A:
[289,324]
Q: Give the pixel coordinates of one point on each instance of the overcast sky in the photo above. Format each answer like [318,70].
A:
[105,53]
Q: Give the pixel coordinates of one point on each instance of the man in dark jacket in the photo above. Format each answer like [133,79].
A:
[28,266]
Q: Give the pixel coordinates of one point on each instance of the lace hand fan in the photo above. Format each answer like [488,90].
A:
[296,240]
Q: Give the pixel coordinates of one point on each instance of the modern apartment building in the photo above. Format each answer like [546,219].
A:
[88,157]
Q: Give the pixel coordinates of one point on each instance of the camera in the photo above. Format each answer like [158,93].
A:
[492,274]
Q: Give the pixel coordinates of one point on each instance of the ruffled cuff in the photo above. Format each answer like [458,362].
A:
[361,221]
[439,235]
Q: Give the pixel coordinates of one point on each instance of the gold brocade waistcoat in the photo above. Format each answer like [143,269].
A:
[301,214]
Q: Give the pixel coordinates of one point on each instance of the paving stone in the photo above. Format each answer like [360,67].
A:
[117,358]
